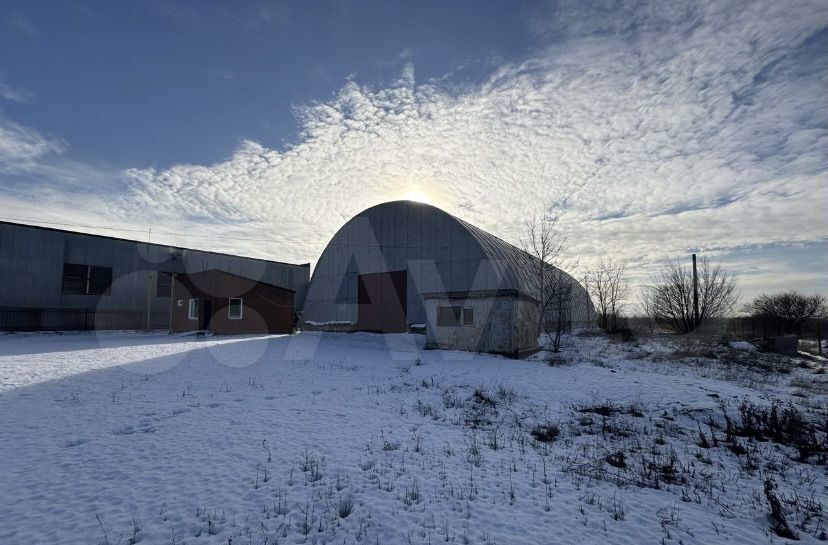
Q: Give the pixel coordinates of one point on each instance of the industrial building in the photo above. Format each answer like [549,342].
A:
[403,264]
[396,267]
[228,304]
[51,279]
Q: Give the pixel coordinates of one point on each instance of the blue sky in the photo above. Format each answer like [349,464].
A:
[651,129]
[160,83]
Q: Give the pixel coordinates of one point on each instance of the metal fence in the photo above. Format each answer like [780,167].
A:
[57,319]
[755,327]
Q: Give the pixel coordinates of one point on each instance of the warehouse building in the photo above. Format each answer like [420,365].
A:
[403,265]
[51,279]
[227,304]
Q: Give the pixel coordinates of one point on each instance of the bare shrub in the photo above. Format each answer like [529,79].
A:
[482,397]
[780,423]
[345,506]
[617,459]
[546,433]
[411,494]
[777,516]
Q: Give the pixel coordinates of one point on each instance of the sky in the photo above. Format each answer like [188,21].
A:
[651,130]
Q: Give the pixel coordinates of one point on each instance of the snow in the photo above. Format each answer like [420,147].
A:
[334,322]
[742,345]
[266,439]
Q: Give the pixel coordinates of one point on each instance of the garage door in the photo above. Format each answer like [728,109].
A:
[382,302]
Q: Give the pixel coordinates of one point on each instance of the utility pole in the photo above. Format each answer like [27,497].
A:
[172,302]
[149,299]
[695,295]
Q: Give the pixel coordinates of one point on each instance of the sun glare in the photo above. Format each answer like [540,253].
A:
[417,196]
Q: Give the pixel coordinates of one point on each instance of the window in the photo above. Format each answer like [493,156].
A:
[86,279]
[454,316]
[448,316]
[193,310]
[163,286]
[468,316]
[235,308]
[100,279]
[74,278]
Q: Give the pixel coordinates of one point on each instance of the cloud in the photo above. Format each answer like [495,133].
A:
[7,92]
[651,131]
[21,148]
[619,122]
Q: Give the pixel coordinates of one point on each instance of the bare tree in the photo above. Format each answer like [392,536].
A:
[671,294]
[586,282]
[544,241]
[646,307]
[790,308]
[608,287]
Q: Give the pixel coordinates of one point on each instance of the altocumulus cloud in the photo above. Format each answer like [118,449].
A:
[649,131]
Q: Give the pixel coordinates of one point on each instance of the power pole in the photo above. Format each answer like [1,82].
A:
[172,301]
[695,295]
[149,299]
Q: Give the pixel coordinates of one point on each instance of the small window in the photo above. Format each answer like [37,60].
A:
[448,316]
[454,316]
[86,279]
[235,308]
[100,278]
[468,316]
[74,278]
[193,310]
[163,286]
[181,302]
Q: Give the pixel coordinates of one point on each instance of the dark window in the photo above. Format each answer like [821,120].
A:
[100,279]
[86,279]
[448,316]
[234,308]
[468,316]
[163,286]
[74,278]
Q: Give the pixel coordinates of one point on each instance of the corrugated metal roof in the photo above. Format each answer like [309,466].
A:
[515,266]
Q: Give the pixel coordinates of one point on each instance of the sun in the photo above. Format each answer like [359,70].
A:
[417,196]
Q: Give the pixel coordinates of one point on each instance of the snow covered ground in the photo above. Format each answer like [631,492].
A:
[337,438]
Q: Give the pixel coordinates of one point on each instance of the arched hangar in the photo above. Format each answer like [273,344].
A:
[402,264]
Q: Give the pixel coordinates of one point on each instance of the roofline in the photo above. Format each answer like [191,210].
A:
[474,231]
[67,231]
[219,271]
[480,294]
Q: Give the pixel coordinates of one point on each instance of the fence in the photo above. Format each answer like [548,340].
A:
[58,319]
[754,327]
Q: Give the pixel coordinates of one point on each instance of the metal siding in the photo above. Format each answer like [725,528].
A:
[450,255]
[414,227]
[386,234]
[31,271]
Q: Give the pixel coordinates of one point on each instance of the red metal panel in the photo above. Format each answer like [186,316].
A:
[382,301]
[266,308]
